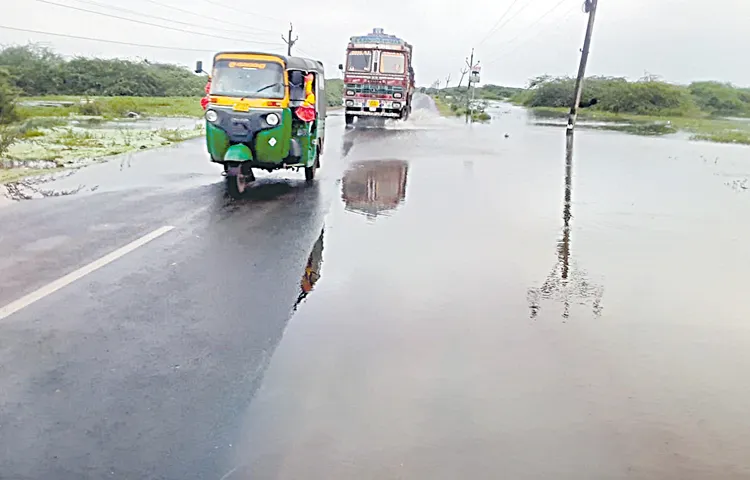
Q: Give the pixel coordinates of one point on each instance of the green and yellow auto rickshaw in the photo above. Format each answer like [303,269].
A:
[264,111]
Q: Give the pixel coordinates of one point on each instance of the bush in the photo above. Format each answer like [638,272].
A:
[8,112]
[93,109]
[38,71]
[721,98]
[616,95]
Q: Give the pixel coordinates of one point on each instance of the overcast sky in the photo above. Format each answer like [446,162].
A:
[680,40]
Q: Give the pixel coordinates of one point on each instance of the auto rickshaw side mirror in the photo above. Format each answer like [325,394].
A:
[199,67]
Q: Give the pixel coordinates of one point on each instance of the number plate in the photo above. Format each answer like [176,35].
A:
[242,106]
[373,103]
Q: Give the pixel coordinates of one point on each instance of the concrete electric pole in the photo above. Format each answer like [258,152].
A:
[289,43]
[470,65]
[590,6]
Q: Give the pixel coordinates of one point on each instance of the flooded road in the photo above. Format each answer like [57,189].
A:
[447,302]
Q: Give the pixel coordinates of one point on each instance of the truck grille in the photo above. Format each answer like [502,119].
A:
[373,88]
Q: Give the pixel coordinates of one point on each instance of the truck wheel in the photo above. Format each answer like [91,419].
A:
[349,119]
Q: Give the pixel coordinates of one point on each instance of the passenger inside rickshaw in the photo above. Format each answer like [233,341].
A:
[299,99]
[296,88]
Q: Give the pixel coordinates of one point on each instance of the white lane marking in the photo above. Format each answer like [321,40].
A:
[51,288]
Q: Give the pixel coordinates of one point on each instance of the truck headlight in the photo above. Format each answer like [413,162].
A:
[396,105]
[350,93]
[212,116]
[272,119]
[397,95]
[349,103]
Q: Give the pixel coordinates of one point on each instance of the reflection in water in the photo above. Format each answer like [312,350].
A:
[312,270]
[362,137]
[566,284]
[374,187]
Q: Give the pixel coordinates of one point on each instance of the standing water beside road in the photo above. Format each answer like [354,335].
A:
[481,319]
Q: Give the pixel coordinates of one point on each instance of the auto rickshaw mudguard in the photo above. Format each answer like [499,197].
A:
[238,153]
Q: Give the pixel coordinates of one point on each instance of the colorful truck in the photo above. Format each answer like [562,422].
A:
[378,77]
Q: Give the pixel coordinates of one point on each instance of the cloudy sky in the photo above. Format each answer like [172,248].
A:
[680,40]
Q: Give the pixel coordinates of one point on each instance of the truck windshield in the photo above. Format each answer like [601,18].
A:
[359,61]
[248,78]
[392,63]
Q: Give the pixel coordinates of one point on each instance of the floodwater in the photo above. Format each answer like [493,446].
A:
[487,304]
[476,301]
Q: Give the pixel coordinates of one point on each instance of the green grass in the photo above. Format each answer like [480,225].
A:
[115,107]
[443,107]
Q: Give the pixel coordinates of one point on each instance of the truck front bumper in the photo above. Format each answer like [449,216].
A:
[384,108]
[379,112]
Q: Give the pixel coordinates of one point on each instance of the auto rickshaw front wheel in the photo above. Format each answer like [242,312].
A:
[236,185]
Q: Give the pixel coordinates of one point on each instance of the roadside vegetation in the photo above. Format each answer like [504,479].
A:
[452,101]
[455,106]
[711,111]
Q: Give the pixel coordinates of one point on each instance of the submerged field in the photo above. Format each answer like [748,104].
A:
[63,132]
[705,128]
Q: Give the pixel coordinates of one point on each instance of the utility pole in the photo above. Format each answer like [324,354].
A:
[448,80]
[590,6]
[461,80]
[290,43]
[470,65]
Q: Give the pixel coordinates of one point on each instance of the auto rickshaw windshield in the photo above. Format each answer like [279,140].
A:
[248,78]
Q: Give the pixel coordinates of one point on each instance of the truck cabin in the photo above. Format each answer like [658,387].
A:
[379,61]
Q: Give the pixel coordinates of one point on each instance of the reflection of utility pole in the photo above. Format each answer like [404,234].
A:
[563,282]
[590,7]
[289,43]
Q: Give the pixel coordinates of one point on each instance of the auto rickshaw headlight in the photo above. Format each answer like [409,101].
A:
[272,119]
[211,115]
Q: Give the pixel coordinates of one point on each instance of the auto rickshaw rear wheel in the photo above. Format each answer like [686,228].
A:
[310,171]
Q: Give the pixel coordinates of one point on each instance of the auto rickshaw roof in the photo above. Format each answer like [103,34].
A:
[292,63]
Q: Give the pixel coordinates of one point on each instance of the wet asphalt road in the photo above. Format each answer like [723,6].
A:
[435,306]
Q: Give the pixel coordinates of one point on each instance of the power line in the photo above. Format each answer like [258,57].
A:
[91,39]
[559,25]
[133,12]
[496,29]
[224,5]
[505,14]
[149,23]
[200,15]
[526,30]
